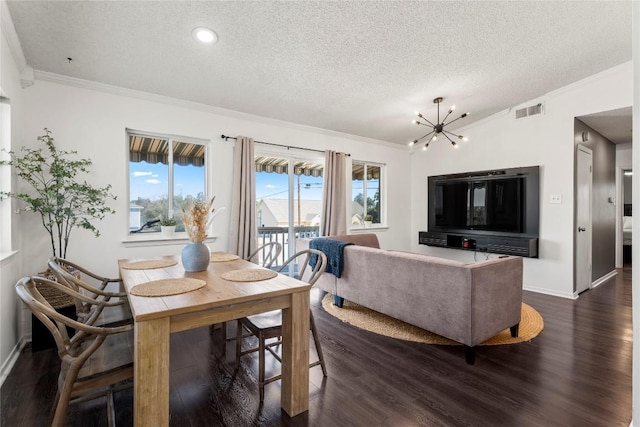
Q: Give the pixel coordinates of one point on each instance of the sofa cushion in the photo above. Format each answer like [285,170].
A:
[368,239]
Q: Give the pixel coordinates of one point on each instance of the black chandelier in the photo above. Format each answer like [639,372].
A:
[438,128]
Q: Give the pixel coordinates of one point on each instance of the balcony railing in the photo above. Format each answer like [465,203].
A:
[281,235]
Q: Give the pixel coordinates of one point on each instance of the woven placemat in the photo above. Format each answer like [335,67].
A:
[222,257]
[253,275]
[149,264]
[166,287]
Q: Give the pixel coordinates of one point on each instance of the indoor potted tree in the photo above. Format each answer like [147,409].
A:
[57,194]
[168,227]
[63,202]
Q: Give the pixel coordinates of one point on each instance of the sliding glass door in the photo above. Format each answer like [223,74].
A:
[288,199]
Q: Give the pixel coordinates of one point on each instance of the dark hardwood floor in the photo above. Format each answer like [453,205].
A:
[576,373]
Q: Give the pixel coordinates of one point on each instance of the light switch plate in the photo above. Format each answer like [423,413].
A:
[555,198]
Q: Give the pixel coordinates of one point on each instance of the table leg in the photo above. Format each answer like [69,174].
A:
[295,355]
[151,373]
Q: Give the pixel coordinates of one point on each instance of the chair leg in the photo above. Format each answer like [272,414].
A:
[64,397]
[223,326]
[314,333]
[111,410]
[224,338]
[238,342]
[261,364]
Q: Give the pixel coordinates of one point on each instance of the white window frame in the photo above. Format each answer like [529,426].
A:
[6,217]
[157,237]
[383,195]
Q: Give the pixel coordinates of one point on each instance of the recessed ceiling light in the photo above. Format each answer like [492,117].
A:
[204,35]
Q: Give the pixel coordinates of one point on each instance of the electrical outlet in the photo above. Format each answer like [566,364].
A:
[555,198]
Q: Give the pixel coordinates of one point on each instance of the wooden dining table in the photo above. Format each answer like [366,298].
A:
[220,300]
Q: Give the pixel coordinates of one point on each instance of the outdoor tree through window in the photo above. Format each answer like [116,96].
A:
[164,173]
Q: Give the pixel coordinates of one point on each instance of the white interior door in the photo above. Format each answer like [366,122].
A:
[584,188]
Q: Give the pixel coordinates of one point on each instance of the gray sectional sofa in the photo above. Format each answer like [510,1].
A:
[465,302]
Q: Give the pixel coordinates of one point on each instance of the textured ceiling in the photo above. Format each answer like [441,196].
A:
[356,67]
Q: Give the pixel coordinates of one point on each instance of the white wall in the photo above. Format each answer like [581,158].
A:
[624,155]
[93,122]
[546,140]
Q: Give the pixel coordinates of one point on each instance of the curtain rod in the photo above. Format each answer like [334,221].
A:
[226,138]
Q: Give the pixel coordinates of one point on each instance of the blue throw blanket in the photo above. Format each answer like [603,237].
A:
[333,249]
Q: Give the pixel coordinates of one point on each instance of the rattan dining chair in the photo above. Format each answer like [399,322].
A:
[113,307]
[268,253]
[95,361]
[268,326]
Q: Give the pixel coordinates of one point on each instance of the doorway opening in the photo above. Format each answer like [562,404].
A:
[627,213]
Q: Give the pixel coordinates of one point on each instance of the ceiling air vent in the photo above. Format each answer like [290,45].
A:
[529,111]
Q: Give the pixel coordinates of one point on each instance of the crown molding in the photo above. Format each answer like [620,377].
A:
[10,35]
[152,97]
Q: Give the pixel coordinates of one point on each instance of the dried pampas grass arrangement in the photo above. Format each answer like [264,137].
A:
[195,217]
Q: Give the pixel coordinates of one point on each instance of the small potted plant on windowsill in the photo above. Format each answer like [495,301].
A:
[368,219]
[168,227]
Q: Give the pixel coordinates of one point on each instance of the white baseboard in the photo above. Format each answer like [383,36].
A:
[548,292]
[13,357]
[604,278]
[573,295]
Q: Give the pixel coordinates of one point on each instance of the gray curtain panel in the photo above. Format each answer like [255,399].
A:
[243,232]
[334,205]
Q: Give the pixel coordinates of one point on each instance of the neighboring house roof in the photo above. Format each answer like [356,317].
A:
[356,208]
[279,208]
[310,210]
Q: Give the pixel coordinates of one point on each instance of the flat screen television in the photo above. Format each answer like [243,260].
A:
[504,202]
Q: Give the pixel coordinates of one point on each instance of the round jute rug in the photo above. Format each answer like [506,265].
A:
[531,324]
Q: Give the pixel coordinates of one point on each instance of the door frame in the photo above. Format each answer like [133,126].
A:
[589,225]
